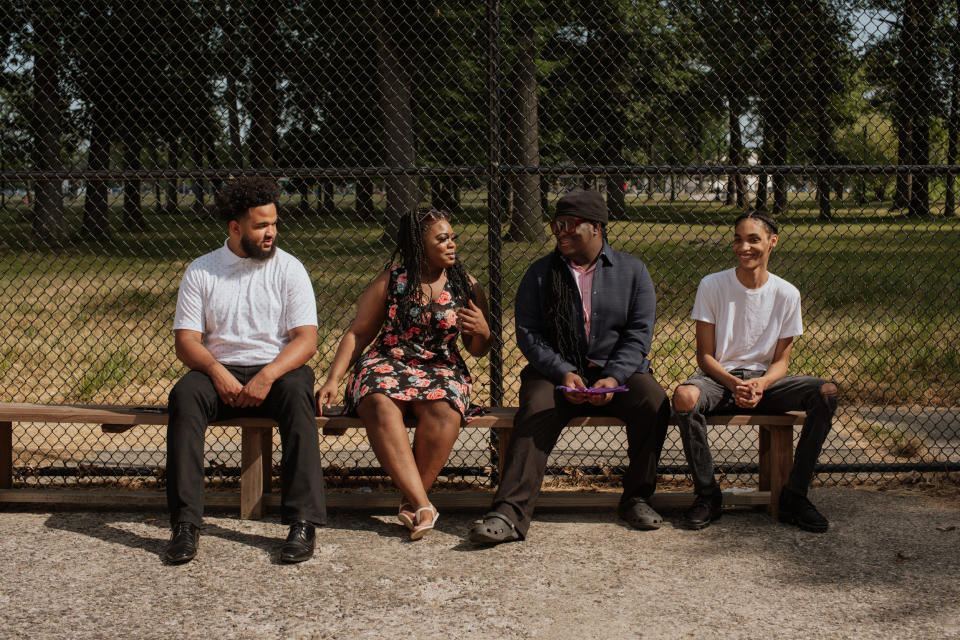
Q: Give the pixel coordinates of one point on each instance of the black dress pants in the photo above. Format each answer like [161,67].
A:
[194,403]
[543,414]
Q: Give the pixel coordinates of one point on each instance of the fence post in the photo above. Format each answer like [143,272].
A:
[494,241]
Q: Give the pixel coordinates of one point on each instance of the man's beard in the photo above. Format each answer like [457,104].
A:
[253,250]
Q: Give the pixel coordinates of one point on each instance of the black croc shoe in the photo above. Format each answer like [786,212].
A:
[494,528]
[639,514]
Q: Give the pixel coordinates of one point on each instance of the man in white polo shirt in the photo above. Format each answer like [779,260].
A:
[747,319]
[246,324]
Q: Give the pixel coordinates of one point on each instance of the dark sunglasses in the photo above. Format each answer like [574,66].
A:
[564,226]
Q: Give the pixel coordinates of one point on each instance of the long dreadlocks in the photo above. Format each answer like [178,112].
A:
[561,330]
[410,251]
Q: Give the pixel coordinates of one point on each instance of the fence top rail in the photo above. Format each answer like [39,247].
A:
[343,173]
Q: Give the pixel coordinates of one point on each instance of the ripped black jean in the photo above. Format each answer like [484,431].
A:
[791,393]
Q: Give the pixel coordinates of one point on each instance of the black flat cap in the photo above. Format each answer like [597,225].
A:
[580,203]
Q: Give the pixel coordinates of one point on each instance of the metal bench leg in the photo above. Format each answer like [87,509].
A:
[6,455]
[251,472]
[776,461]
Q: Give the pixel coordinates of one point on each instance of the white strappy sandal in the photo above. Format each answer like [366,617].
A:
[403,515]
[420,530]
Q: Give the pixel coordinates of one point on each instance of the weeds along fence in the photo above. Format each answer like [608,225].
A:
[121,120]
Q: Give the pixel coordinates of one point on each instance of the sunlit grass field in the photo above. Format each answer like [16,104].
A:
[92,322]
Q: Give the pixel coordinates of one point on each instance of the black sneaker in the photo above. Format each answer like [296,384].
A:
[705,509]
[797,509]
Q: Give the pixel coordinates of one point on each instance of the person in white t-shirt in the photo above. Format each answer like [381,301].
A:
[245,325]
[747,319]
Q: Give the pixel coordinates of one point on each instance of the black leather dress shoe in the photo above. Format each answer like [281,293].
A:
[705,510]
[299,544]
[183,543]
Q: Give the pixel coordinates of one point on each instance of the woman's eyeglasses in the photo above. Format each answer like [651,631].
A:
[565,225]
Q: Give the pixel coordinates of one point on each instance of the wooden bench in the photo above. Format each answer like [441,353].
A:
[775,444]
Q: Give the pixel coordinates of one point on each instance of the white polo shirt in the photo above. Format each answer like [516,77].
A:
[748,322]
[245,308]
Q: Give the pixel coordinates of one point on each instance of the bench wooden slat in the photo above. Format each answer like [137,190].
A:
[115,417]
[775,436]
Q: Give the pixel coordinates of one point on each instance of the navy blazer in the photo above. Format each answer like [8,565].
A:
[624,306]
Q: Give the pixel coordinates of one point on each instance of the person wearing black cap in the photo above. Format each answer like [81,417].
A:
[584,320]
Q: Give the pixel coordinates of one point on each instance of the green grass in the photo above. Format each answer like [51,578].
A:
[93,320]
[104,375]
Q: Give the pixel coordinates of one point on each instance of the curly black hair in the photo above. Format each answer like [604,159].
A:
[239,196]
[410,252]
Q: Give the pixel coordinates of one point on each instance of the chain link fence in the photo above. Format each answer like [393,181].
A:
[121,120]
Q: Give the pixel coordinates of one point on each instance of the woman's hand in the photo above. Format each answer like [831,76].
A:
[326,395]
[472,322]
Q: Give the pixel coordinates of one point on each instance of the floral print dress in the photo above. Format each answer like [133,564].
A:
[421,363]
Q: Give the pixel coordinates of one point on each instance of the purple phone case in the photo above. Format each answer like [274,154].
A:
[591,391]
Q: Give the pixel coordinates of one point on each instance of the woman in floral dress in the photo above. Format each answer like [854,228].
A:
[418,307]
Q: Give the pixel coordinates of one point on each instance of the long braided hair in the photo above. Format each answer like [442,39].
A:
[410,252]
[560,328]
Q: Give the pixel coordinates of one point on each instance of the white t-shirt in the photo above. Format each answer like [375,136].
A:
[245,308]
[748,322]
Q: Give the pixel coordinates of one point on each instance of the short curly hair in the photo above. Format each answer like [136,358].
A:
[237,198]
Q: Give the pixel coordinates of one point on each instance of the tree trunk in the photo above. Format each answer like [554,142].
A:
[903,127]
[774,116]
[133,219]
[199,206]
[303,188]
[953,120]
[230,94]
[526,223]
[96,219]
[823,141]
[363,199]
[919,20]
[157,190]
[233,123]
[49,221]
[616,200]
[778,156]
[444,194]
[395,96]
[325,202]
[735,184]
[263,95]
[760,203]
[173,162]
